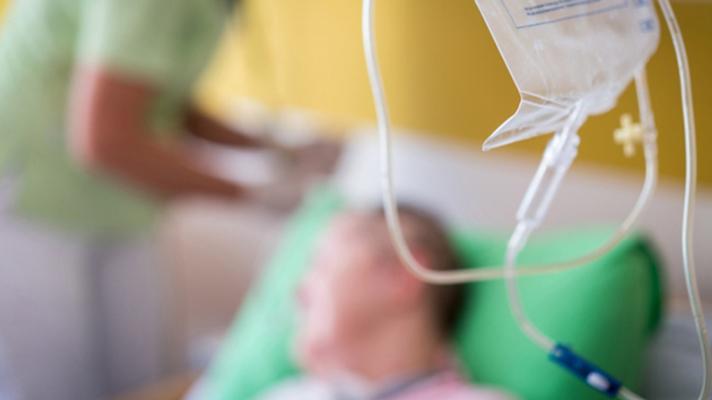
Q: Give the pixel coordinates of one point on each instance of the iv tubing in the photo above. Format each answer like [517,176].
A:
[650,180]
[689,205]
[525,228]
[531,213]
[391,208]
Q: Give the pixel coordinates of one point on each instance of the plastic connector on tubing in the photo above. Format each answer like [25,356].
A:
[558,158]
[586,371]
[562,149]
[519,237]
[629,134]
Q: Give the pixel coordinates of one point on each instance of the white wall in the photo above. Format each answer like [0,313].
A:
[471,188]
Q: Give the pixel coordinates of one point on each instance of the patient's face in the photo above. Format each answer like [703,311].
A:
[347,292]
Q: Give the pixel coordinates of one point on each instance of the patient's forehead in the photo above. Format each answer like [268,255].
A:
[354,229]
[349,225]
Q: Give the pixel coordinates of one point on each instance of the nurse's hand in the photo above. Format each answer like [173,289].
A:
[109,134]
[203,126]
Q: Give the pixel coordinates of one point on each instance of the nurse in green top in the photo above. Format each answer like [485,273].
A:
[93,95]
[94,102]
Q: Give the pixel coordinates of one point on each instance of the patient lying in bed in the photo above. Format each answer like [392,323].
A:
[371,330]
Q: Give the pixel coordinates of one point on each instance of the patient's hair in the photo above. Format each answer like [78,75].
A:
[425,233]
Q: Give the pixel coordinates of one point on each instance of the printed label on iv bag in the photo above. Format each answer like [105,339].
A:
[547,11]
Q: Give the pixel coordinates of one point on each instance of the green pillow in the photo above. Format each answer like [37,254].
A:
[605,311]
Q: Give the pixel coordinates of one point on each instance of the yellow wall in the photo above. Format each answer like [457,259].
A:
[442,72]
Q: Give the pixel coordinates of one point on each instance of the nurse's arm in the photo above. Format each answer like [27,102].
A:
[202,125]
[109,133]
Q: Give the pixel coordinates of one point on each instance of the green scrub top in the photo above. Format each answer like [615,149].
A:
[165,43]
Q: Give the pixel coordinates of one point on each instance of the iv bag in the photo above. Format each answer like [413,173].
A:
[563,53]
